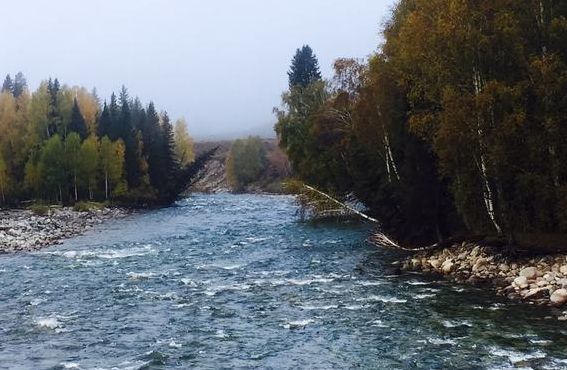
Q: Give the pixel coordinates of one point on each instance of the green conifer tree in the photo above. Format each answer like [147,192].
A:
[304,68]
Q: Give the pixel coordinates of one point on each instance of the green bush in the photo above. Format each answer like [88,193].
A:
[87,206]
[245,162]
[39,209]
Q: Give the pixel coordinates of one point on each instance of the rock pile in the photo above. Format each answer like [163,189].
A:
[22,230]
[541,280]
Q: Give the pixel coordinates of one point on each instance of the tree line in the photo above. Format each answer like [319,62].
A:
[61,144]
[457,125]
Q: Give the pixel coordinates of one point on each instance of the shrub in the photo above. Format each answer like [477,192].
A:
[87,206]
[39,209]
[245,162]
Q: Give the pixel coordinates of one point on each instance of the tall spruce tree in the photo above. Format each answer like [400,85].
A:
[127,134]
[20,84]
[104,122]
[54,117]
[114,110]
[78,123]
[152,138]
[171,164]
[304,68]
[8,85]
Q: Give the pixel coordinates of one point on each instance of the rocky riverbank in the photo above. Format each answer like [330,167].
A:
[539,280]
[24,231]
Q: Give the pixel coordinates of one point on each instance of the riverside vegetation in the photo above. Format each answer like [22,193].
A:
[246,165]
[59,144]
[454,129]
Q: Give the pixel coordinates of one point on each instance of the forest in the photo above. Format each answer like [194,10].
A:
[61,144]
[456,126]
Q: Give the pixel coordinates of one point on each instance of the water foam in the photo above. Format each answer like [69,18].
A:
[440,341]
[298,324]
[141,275]
[516,356]
[379,298]
[48,323]
[424,296]
[104,253]
[455,324]
[312,308]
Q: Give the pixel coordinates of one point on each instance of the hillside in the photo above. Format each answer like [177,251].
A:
[213,178]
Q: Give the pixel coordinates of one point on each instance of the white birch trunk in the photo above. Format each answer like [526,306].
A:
[487,190]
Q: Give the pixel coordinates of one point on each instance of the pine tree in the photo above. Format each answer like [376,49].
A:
[304,68]
[8,85]
[128,135]
[20,85]
[114,110]
[104,122]
[171,165]
[54,116]
[78,123]
[151,136]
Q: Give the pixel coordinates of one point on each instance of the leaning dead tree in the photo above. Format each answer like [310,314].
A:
[325,205]
[341,205]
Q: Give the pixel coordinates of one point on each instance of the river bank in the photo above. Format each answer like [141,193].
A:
[539,280]
[21,230]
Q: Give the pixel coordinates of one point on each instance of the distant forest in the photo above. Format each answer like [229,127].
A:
[457,125]
[62,144]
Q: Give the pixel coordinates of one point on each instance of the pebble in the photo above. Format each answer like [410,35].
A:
[22,231]
[541,280]
[559,297]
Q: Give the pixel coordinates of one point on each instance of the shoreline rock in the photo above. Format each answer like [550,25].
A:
[539,280]
[23,231]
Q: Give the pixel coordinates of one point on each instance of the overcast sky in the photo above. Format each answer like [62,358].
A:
[219,63]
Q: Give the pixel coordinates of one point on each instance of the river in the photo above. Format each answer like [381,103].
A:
[235,281]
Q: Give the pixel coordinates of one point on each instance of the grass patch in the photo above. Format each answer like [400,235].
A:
[87,206]
[39,209]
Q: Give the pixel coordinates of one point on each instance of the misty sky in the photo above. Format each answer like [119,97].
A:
[220,63]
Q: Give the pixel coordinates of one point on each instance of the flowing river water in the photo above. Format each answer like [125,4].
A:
[235,281]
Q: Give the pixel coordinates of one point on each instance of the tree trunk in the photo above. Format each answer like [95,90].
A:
[106,185]
[390,156]
[76,193]
[487,190]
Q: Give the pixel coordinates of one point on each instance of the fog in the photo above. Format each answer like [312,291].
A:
[220,64]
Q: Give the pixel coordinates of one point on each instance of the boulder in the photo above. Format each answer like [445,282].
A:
[504,267]
[521,282]
[550,276]
[447,266]
[529,273]
[559,297]
[562,282]
[479,264]
[435,264]
[475,252]
[563,269]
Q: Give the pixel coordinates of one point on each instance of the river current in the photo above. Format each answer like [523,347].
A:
[235,281]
